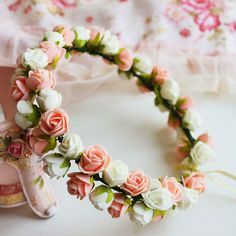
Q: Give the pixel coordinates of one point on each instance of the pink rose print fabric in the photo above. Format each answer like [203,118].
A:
[164,30]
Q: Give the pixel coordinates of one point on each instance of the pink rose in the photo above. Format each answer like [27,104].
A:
[94,160]
[207,21]
[136,183]
[174,187]
[54,122]
[196,6]
[94,31]
[53,52]
[68,34]
[79,184]
[159,74]
[196,181]
[36,141]
[19,90]
[118,206]
[185,103]
[125,59]
[206,138]
[182,150]
[17,148]
[40,79]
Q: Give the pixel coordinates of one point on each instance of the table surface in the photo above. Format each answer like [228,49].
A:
[133,130]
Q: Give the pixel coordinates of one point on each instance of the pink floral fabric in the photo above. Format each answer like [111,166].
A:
[164,30]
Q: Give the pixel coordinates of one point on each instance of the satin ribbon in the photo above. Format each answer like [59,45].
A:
[214,179]
[218,181]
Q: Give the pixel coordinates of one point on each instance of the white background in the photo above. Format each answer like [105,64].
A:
[133,130]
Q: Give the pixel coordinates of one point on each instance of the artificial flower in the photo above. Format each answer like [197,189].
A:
[119,205]
[101,197]
[158,197]
[141,214]
[35,58]
[79,184]
[48,99]
[170,91]
[136,183]
[94,160]
[71,146]
[116,173]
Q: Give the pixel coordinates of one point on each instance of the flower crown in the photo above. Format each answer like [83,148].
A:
[109,183]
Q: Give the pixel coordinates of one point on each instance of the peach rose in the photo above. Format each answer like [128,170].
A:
[196,181]
[19,90]
[40,79]
[137,183]
[36,141]
[118,206]
[125,59]
[17,148]
[94,160]
[174,187]
[53,51]
[94,31]
[79,184]
[182,150]
[206,138]
[173,122]
[54,122]
[185,103]
[159,74]
[68,34]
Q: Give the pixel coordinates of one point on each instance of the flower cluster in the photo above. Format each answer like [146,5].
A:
[45,125]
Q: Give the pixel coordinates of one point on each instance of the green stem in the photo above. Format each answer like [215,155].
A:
[146,81]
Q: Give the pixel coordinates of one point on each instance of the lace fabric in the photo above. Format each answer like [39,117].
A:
[195,40]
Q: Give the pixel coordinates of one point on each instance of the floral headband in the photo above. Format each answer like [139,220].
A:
[108,183]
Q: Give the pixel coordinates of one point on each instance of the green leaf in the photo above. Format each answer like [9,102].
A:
[67,55]
[110,196]
[65,164]
[34,116]
[52,143]
[79,43]
[35,181]
[41,184]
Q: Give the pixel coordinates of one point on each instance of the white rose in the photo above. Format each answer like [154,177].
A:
[55,38]
[116,173]
[170,90]
[71,146]
[141,214]
[101,197]
[111,44]
[158,197]
[56,165]
[190,198]
[35,58]
[49,99]
[24,107]
[22,121]
[142,64]
[192,120]
[201,153]
[82,35]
